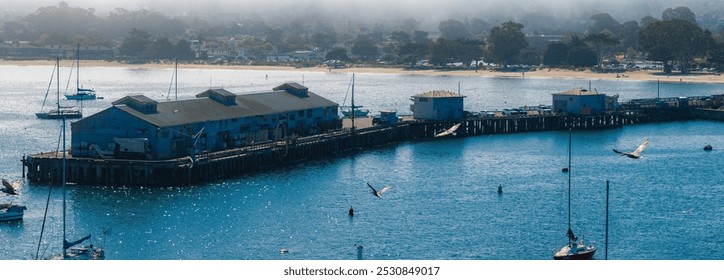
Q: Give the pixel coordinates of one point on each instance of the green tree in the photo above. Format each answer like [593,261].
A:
[479,28]
[420,37]
[716,56]
[452,30]
[412,52]
[182,51]
[579,53]
[600,41]
[136,45]
[581,56]
[555,54]
[337,54]
[324,41]
[674,42]
[401,37]
[161,48]
[443,51]
[61,19]
[505,42]
[682,13]
[604,22]
[275,38]
[364,47]
[629,35]
[645,21]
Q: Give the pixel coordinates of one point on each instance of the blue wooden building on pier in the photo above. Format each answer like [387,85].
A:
[580,101]
[438,105]
[139,127]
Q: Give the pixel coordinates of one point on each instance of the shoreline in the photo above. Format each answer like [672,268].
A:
[543,72]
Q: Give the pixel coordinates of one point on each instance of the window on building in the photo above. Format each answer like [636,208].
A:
[423,99]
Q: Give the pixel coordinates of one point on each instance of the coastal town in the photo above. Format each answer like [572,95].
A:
[492,138]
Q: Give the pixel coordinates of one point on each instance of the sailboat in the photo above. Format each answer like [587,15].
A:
[80,93]
[61,112]
[575,249]
[72,250]
[354,111]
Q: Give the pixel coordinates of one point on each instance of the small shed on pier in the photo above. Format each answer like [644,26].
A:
[579,101]
[438,105]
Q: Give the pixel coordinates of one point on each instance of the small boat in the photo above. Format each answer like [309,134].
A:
[11,212]
[61,112]
[575,249]
[353,111]
[80,93]
[708,147]
[358,113]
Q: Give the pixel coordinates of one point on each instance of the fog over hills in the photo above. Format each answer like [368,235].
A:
[425,12]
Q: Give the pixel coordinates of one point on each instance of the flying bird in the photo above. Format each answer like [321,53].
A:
[636,153]
[10,188]
[378,193]
[449,131]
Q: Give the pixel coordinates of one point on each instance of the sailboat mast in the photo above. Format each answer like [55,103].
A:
[57,91]
[569,177]
[64,163]
[175,75]
[77,67]
[606,220]
[353,108]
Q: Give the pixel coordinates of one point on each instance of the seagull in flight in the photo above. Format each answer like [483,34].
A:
[636,153]
[448,131]
[378,193]
[10,188]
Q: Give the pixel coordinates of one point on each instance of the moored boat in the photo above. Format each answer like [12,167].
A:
[61,112]
[358,113]
[80,93]
[575,249]
[11,212]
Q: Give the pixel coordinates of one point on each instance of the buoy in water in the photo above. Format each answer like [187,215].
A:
[500,189]
[565,169]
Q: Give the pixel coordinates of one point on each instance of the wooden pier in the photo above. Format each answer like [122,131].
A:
[47,167]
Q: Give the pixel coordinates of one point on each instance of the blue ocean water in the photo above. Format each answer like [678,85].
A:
[443,205]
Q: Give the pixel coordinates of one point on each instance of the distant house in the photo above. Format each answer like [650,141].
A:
[21,50]
[580,101]
[438,105]
[140,127]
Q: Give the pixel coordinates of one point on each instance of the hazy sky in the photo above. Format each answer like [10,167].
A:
[622,10]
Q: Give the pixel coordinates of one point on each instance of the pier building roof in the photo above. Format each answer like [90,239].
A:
[206,108]
[439,94]
[579,91]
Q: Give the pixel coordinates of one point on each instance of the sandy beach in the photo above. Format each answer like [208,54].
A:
[543,72]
